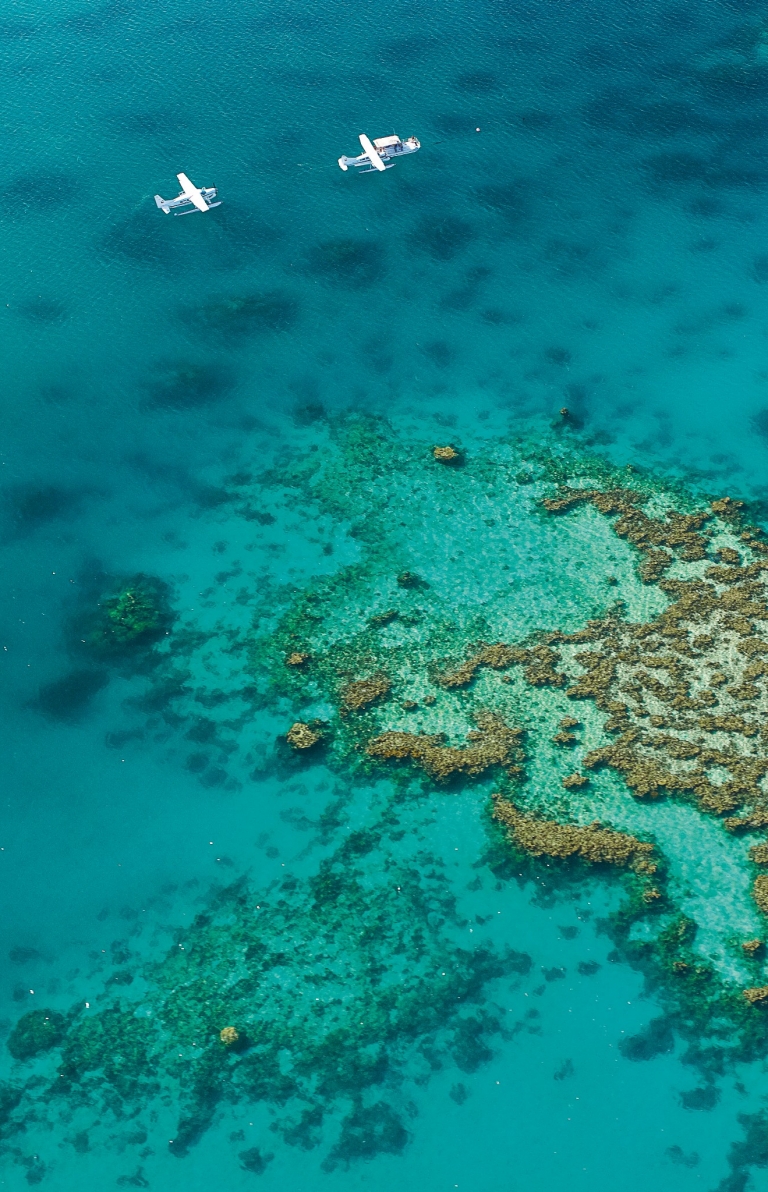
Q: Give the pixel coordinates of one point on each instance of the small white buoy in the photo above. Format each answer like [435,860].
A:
[477,130]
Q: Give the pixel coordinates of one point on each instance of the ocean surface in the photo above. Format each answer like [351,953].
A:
[585,227]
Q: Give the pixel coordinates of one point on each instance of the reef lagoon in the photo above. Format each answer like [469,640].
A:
[384,600]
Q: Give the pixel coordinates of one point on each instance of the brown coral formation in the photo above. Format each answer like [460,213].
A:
[229,1035]
[538,660]
[303,736]
[493,743]
[759,853]
[684,694]
[751,946]
[364,691]
[297,658]
[381,619]
[446,455]
[565,734]
[747,823]
[658,538]
[497,656]
[760,892]
[756,995]
[596,844]
[574,781]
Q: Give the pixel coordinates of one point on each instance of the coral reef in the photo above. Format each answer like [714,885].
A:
[362,692]
[409,579]
[575,781]
[379,620]
[305,970]
[35,1032]
[446,455]
[493,743]
[497,657]
[760,892]
[648,617]
[565,734]
[304,736]
[135,616]
[680,691]
[679,687]
[331,980]
[756,994]
[592,843]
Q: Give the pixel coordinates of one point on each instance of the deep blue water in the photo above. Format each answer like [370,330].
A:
[584,226]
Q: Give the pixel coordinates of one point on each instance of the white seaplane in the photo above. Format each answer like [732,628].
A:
[199,198]
[376,155]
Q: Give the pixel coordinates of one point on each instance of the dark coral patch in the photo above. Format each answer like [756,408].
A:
[350,263]
[35,1032]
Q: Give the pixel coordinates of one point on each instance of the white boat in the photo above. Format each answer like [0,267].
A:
[378,154]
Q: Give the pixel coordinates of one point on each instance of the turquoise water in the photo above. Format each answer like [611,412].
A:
[600,244]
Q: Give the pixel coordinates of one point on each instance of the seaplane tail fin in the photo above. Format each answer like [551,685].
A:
[162,204]
[371,153]
[192,193]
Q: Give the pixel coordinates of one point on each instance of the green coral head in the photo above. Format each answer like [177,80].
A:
[136,615]
[35,1032]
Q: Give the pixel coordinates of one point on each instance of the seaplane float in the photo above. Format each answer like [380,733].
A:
[194,198]
[377,154]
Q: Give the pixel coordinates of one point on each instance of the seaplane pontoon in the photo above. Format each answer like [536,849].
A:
[377,154]
[195,197]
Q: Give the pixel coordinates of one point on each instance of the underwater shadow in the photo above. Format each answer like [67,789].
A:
[140,240]
[476,82]
[242,316]
[347,262]
[37,191]
[68,699]
[512,200]
[442,237]
[30,506]
[759,423]
[42,310]
[187,385]
[96,23]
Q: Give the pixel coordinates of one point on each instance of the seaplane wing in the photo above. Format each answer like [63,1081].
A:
[192,193]
[371,153]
